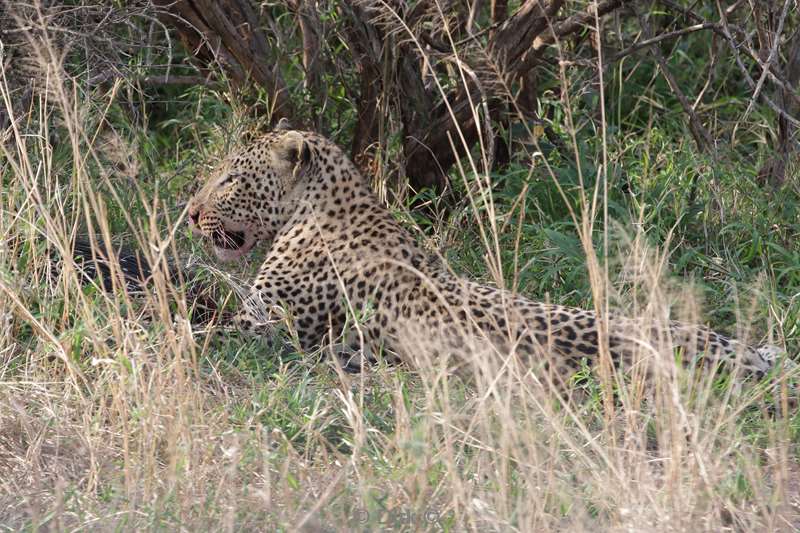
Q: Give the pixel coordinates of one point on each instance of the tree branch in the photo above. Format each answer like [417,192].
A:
[701,136]
[659,38]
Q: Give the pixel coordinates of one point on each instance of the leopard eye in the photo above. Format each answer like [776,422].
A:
[229,179]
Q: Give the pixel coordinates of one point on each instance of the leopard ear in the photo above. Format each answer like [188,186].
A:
[297,151]
[283,125]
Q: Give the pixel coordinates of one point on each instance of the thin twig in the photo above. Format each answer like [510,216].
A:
[701,135]
[663,37]
[770,59]
[727,34]
[726,30]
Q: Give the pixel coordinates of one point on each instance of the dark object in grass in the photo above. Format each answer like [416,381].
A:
[130,269]
[93,263]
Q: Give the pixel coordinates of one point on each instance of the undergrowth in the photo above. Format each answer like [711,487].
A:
[116,414]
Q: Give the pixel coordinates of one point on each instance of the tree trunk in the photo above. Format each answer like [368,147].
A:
[228,32]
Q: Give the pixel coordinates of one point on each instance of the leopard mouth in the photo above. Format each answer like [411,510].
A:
[230,245]
[229,240]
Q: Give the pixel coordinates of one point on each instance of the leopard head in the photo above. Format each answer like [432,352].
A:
[250,198]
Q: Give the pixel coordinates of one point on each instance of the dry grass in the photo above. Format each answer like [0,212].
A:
[115,414]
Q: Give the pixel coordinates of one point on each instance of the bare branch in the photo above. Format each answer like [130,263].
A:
[700,134]
[660,38]
[770,58]
[726,32]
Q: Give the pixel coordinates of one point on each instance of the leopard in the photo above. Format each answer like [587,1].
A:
[335,255]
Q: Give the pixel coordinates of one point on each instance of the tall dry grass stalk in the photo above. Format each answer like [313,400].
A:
[114,414]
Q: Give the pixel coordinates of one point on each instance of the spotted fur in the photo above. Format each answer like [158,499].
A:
[332,245]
